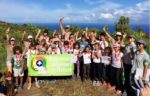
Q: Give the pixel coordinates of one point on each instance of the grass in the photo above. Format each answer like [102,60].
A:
[69,87]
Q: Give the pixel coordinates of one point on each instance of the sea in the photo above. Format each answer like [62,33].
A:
[55,26]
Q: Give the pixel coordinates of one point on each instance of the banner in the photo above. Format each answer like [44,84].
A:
[50,65]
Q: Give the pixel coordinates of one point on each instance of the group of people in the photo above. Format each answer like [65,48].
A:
[97,56]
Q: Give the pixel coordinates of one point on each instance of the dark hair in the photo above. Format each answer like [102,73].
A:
[76,44]
[108,48]
[87,47]
[17,48]
[102,34]
[46,31]
[66,43]
[32,45]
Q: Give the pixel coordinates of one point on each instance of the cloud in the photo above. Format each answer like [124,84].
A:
[106,16]
[104,11]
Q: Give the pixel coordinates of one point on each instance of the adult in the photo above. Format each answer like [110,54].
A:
[65,31]
[10,46]
[140,66]
[119,38]
[129,51]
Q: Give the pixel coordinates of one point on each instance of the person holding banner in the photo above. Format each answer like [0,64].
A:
[31,50]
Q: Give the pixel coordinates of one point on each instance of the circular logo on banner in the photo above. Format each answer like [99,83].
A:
[38,63]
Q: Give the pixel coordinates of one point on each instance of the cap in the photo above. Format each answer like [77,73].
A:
[119,34]
[67,26]
[12,39]
[30,37]
[142,42]
[116,45]
[131,36]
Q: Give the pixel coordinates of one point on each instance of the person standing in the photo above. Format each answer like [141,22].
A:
[10,46]
[140,65]
[66,32]
[129,51]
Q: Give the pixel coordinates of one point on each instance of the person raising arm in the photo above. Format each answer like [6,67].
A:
[65,31]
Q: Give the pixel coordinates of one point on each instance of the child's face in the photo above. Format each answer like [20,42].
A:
[32,48]
[87,49]
[131,39]
[107,51]
[53,49]
[96,46]
[76,46]
[45,34]
[17,52]
[117,49]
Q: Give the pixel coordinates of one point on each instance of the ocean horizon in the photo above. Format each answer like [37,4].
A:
[55,26]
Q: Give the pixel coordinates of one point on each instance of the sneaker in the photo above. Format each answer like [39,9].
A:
[37,85]
[16,90]
[94,83]
[29,86]
[118,92]
[21,86]
[112,88]
[97,83]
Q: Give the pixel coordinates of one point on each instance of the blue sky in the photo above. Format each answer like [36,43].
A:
[89,11]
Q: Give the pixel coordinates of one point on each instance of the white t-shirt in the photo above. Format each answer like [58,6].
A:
[87,58]
[95,59]
[65,50]
[28,53]
[116,59]
[74,56]
[103,44]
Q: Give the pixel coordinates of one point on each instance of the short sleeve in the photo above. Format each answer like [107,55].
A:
[146,60]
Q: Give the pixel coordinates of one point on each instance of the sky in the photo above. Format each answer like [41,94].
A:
[74,11]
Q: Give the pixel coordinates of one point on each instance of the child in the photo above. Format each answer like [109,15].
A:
[106,60]
[97,66]
[76,50]
[86,62]
[53,49]
[32,50]
[18,67]
[117,65]
[65,49]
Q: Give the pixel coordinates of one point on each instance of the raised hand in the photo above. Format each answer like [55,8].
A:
[7,31]
[24,32]
[86,29]
[61,19]
[104,29]
[39,30]
[124,35]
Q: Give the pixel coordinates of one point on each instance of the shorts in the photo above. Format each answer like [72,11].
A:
[17,72]
[8,63]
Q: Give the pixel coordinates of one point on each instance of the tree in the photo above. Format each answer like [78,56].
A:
[123,24]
